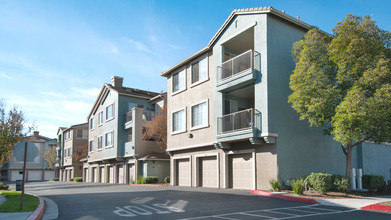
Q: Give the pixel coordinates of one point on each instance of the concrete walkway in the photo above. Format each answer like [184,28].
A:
[354,203]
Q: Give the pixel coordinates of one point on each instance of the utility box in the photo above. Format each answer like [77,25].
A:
[18,185]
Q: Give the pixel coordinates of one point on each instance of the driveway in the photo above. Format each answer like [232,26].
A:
[108,201]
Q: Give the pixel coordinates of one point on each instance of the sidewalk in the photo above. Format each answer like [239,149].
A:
[354,203]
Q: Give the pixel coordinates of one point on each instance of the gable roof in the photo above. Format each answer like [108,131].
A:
[125,91]
[256,10]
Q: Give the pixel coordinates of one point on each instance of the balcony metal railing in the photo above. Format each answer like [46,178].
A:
[235,121]
[235,65]
[147,115]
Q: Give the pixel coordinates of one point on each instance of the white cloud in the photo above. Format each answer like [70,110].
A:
[113,48]
[51,93]
[86,92]
[6,76]
[139,46]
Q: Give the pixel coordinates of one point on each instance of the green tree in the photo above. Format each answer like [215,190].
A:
[12,128]
[343,82]
[50,156]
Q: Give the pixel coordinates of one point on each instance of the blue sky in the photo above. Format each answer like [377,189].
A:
[56,55]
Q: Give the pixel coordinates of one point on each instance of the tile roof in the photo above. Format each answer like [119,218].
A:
[132,91]
[156,156]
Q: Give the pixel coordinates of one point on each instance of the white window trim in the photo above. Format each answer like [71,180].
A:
[103,114]
[191,116]
[89,124]
[113,115]
[172,82]
[112,144]
[191,71]
[89,146]
[172,122]
[97,146]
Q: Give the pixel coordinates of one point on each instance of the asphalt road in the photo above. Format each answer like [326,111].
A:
[107,201]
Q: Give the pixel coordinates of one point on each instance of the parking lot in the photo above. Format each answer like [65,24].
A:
[108,201]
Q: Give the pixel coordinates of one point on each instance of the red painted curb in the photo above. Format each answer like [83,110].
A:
[153,185]
[38,213]
[282,196]
[377,207]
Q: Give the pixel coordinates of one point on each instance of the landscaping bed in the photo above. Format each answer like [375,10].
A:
[336,195]
[12,204]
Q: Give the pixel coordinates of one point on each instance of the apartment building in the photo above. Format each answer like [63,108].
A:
[229,122]
[69,141]
[37,168]
[116,151]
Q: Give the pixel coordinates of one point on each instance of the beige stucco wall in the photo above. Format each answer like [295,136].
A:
[192,95]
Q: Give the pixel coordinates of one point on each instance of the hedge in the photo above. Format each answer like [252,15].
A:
[78,179]
[321,182]
[373,182]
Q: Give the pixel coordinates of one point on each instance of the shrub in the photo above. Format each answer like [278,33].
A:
[321,182]
[298,186]
[78,179]
[140,180]
[341,184]
[373,182]
[54,179]
[167,180]
[3,186]
[276,184]
[151,179]
[71,179]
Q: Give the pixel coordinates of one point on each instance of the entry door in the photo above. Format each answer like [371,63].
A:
[102,174]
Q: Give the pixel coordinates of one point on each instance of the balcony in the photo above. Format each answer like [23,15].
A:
[236,121]
[137,113]
[245,124]
[236,72]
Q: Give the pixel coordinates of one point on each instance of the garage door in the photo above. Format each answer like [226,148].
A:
[183,172]
[111,174]
[16,176]
[208,172]
[34,175]
[121,174]
[241,171]
[86,175]
[132,173]
[102,174]
[49,175]
[95,173]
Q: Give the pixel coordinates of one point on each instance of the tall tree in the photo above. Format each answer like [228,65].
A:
[157,129]
[81,153]
[343,82]
[12,131]
[50,156]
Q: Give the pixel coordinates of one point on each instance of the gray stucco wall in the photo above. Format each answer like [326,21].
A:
[158,168]
[297,143]
[376,159]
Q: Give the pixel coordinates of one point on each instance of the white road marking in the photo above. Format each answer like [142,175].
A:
[279,211]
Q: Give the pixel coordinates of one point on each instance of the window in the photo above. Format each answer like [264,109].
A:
[100,118]
[130,135]
[92,121]
[100,142]
[109,139]
[199,71]
[178,121]
[81,134]
[178,81]
[91,146]
[109,112]
[68,135]
[65,152]
[199,115]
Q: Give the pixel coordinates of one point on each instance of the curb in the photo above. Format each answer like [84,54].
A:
[281,196]
[377,207]
[153,185]
[38,213]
